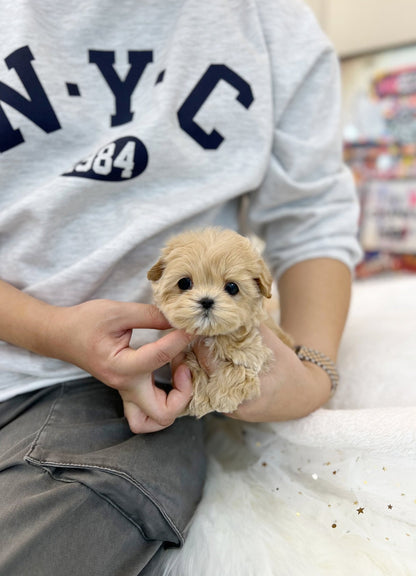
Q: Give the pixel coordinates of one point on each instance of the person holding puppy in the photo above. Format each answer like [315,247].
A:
[120,127]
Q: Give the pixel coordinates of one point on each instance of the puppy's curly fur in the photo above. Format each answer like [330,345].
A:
[212,283]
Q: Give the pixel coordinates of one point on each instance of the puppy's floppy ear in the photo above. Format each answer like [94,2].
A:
[156,271]
[264,280]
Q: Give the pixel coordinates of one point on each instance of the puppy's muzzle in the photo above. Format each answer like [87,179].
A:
[206,303]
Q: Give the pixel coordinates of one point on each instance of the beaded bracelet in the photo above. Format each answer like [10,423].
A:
[315,357]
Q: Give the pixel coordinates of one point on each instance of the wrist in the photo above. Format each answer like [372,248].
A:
[25,321]
[51,335]
[316,386]
[44,326]
[314,357]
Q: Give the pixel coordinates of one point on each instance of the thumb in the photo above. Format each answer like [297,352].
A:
[183,390]
[154,355]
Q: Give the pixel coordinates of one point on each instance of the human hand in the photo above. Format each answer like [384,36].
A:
[95,336]
[289,389]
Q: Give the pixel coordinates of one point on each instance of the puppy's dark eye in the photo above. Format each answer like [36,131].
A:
[185,284]
[231,288]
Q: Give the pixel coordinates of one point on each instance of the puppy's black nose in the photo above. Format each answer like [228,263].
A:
[206,303]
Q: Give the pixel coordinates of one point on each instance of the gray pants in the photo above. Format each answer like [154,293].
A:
[80,495]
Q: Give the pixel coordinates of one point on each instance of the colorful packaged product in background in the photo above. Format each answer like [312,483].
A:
[385,173]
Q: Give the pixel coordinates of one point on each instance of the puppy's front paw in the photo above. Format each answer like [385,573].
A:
[200,405]
[200,402]
[231,386]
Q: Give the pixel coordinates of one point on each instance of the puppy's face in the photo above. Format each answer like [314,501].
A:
[210,282]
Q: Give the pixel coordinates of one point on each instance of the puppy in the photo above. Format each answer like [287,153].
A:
[212,283]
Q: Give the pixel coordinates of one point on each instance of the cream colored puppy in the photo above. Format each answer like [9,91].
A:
[212,283]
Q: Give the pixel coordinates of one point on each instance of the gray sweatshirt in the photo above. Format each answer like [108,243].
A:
[122,123]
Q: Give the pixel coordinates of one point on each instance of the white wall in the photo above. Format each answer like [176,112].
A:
[356,26]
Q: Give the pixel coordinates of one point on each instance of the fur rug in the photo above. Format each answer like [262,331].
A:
[330,494]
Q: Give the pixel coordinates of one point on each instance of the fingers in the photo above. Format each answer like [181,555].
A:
[154,355]
[149,409]
[139,422]
[144,316]
[180,396]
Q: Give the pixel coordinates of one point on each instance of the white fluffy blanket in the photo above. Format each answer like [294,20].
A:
[334,493]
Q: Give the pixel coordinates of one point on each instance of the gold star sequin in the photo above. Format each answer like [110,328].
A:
[390,507]
[360,510]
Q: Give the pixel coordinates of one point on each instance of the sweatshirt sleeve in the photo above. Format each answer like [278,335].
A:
[307,205]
